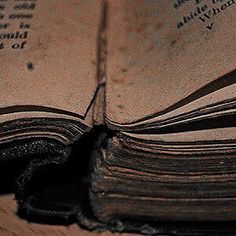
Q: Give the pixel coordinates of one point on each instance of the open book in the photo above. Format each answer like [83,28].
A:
[158,76]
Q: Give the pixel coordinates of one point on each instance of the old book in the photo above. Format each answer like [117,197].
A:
[154,80]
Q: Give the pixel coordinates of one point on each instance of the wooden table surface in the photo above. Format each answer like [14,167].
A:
[12,225]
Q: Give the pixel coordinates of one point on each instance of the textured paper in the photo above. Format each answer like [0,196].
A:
[152,64]
[56,67]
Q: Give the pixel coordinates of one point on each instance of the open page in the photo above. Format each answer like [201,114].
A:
[48,53]
[161,53]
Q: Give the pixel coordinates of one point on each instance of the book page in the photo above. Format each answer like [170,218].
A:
[160,52]
[48,53]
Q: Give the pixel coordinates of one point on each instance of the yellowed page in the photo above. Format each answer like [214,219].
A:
[159,54]
[51,59]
